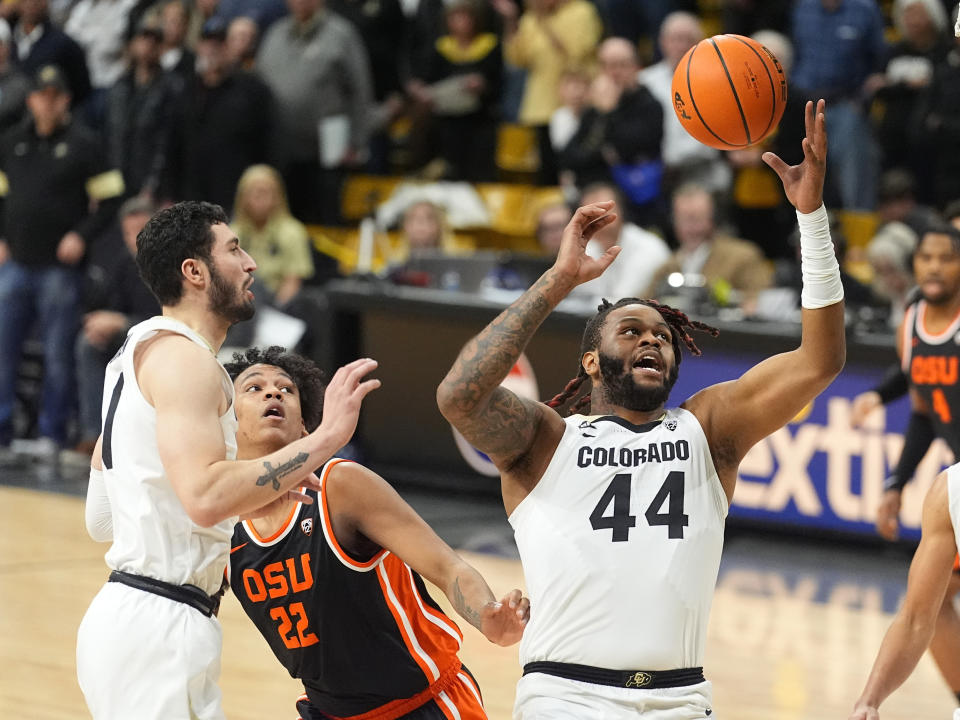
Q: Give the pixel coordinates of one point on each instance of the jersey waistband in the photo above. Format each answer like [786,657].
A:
[187,594]
[398,708]
[643,679]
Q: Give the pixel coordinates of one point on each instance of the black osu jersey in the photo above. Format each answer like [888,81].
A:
[359,632]
[932,364]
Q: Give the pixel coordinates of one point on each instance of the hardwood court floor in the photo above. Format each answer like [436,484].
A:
[788,640]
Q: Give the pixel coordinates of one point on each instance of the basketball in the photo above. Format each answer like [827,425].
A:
[729,92]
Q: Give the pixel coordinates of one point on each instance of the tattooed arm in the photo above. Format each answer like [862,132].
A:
[367,514]
[492,418]
[183,382]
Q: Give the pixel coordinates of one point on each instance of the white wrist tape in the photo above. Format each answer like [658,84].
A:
[818,262]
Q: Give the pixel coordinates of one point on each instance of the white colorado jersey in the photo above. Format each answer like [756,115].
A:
[152,533]
[620,543]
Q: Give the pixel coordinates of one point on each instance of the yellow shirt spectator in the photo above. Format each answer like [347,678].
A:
[551,36]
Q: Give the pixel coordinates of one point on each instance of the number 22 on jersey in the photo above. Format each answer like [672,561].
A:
[669,496]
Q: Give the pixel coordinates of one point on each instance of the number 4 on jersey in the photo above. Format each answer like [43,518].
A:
[670,495]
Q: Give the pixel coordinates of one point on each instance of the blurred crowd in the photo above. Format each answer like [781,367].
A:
[110,109]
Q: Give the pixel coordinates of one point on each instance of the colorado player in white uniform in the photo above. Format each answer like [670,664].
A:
[149,644]
[619,514]
[930,573]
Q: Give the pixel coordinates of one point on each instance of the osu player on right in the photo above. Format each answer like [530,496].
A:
[930,360]
[619,514]
[930,574]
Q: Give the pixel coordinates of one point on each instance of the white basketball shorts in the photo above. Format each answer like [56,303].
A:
[546,697]
[140,655]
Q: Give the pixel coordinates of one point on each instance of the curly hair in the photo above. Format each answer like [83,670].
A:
[305,374]
[171,236]
[676,319]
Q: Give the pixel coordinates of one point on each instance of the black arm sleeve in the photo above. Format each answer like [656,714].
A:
[917,441]
[893,386]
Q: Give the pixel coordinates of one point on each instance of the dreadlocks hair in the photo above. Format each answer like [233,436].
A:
[305,374]
[677,320]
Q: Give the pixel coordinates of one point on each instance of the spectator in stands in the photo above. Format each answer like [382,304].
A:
[14,85]
[263,12]
[574,97]
[38,42]
[897,202]
[223,124]
[424,227]
[101,29]
[176,57]
[140,111]
[243,35]
[890,254]
[936,128]
[619,136]
[745,17]
[315,64]
[277,241]
[839,51]
[551,36]
[461,87]
[725,264]
[56,159]
[383,29]
[636,22]
[115,300]
[551,220]
[386,35]
[924,44]
[641,252]
[684,158]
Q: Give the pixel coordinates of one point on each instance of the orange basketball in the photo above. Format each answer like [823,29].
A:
[729,92]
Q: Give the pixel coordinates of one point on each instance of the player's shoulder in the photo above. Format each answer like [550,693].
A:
[171,357]
[343,473]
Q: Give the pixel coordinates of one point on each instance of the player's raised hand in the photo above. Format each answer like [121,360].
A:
[888,514]
[863,405]
[803,183]
[342,400]
[503,622]
[572,261]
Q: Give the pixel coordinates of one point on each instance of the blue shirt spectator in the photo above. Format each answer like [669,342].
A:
[838,43]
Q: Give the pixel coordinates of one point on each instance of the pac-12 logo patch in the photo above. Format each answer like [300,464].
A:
[307,526]
[586,425]
[522,381]
[670,424]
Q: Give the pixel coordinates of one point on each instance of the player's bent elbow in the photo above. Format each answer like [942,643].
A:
[447,403]
[204,513]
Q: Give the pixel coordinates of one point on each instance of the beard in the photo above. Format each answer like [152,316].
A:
[227,301]
[620,389]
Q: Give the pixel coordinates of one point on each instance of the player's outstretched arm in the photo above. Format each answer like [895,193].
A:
[183,383]
[912,628]
[740,413]
[493,419]
[360,501]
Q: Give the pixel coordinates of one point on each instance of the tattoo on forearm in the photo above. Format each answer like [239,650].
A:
[274,474]
[460,604]
[485,361]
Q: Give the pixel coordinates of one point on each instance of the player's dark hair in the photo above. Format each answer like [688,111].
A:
[941,228]
[677,320]
[305,374]
[171,236]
